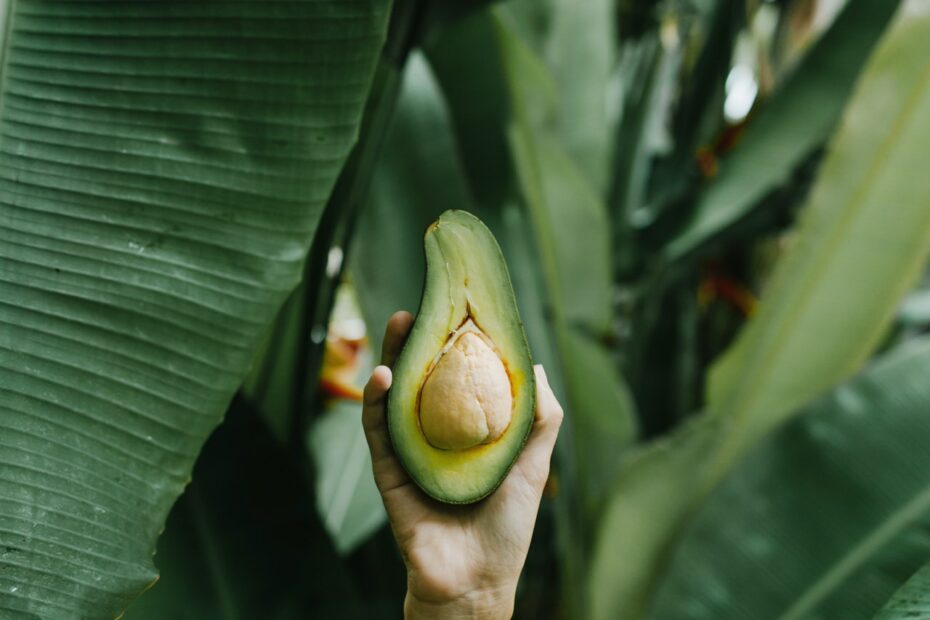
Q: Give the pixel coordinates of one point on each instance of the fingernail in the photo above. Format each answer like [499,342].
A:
[386,373]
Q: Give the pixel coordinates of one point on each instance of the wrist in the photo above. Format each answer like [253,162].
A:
[494,604]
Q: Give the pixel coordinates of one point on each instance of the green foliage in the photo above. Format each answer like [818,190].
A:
[788,129]
[850,264]
[164,166]
[171,171]
[833,509]
[580,50]
[844,274]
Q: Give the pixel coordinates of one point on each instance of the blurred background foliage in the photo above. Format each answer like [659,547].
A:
[715,214]
[643,165]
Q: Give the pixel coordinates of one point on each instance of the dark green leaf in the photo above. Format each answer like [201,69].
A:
[645,510]
[163,166]
[466,62]
[270,385]
[813,522]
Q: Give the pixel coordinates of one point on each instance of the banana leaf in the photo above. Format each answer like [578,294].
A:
[163,166]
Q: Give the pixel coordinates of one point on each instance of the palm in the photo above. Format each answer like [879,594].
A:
[456,542]
[452,550]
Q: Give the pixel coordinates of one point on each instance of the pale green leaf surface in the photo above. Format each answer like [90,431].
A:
[606,423]
[790,127]
[652,492]
[580,54]
[162,169]
[863,238]
[347,499]
[815,521]
[568,218]
[912,601]
[517,246]
[577,226]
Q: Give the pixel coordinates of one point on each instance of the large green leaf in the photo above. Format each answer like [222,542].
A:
[653,492]
[570,226]
[162,169]
[790,127]
[605,423]
[580,54]
[819,521]
[911,601]
[466,63]
[863,238]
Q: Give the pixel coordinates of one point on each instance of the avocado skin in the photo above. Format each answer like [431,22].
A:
[466,279]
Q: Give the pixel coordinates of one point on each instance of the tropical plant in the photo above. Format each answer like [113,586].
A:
[711,210]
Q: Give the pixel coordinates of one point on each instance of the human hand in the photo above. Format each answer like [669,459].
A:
[462,561]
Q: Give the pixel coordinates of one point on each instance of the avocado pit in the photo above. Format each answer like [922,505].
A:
[466,399]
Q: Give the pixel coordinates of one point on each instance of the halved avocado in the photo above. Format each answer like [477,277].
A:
[463,398]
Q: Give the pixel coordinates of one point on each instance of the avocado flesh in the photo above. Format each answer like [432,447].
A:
[467,290]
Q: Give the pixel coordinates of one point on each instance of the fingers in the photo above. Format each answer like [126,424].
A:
[549,412]
[398,326]
[373,399]
[534,461]
[387,470]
